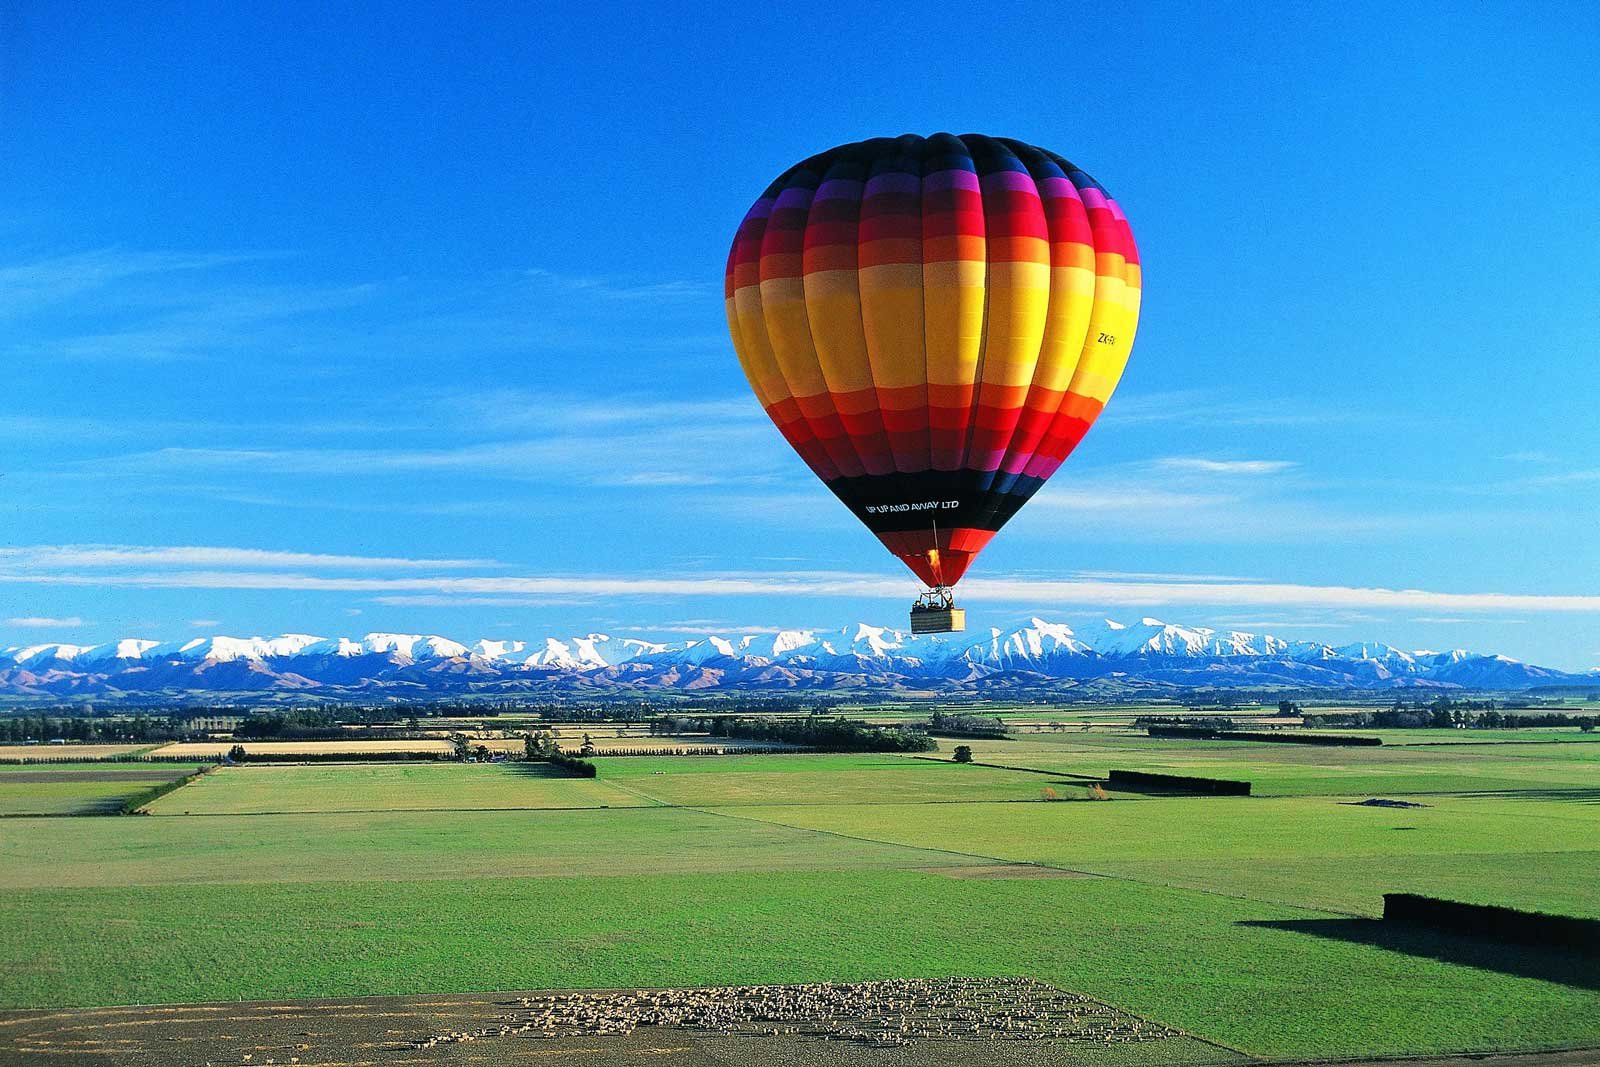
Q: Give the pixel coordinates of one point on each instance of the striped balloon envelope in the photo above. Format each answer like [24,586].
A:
[934,323]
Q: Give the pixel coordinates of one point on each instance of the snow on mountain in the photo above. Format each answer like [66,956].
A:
[40,655]
[1154,637]
[129,648]
[1149,651]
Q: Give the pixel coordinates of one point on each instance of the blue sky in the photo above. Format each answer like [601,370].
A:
[411,319]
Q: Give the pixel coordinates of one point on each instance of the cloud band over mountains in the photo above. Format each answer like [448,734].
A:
[221,568]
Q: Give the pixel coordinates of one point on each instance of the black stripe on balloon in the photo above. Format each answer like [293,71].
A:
[897,503]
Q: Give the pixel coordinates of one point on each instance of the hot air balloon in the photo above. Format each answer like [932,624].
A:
[933,323]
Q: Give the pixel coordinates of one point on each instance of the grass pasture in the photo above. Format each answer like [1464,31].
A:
[1308,851]
[1505,768]
[1246,921]
[80,788]
[258,789]
[825,779]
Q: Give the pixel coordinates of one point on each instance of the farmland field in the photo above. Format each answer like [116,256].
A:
[1245,921]
[72,752]
[1298,770]
[269,788]
[824,779]
[217,749]
[80,788]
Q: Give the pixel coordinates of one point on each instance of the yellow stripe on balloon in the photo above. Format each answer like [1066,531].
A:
[833,305]
[891,316]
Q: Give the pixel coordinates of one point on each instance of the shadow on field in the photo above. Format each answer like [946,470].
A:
[1525,961]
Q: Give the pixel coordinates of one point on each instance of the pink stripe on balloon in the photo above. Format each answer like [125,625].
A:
[1059,187]
[1012,180]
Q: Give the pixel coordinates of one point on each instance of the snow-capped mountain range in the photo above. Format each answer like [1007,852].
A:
[1149,655]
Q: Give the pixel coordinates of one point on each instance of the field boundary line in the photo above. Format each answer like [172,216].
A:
[1008,767]
[391,811]
[1048,866]
[995,860]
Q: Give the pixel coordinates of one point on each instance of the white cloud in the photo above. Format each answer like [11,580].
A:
[444,600]
[42,622]
[1126,499]
[680,448]
[1060,592]
[55,556]
[204,624]
[1197,465]
[1158,576]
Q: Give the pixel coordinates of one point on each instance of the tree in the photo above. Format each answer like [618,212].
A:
[963,754]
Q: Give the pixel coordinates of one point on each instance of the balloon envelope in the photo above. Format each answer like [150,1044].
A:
[933,324]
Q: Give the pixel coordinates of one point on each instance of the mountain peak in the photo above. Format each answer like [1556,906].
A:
[1150,652]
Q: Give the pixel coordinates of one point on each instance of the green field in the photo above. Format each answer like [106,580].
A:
[1246,921]
[80,788]
[286,788]
[1306,770]
[823,780]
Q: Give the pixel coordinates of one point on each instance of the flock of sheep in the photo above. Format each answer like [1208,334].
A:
[886,1014]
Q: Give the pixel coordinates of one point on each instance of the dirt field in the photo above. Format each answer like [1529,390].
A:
[570,740]
[817,1026]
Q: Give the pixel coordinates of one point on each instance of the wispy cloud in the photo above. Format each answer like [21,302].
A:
[1457,620]
[1215,407]
[204,624]
[1567,477]
[1196,465]
[626,444]
[44,622]
[56,556]
[442,600]
[1001,590]
[1160,576]
[51,281]
[672,291]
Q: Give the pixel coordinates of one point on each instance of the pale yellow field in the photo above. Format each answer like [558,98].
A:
[301,748]
[67,751]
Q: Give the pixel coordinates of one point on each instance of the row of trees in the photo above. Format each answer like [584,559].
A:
[958,725]
[1444,715]
[20,729]
[825,735]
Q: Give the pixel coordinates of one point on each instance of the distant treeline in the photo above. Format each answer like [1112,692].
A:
[1279,736]
[16,729]
[1198,722]
[958,725]
[240,754]
[318,724]
[706,750]
[59,755]
[825,735]
[1445,715]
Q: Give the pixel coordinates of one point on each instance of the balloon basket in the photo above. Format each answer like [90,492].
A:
[935,612]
